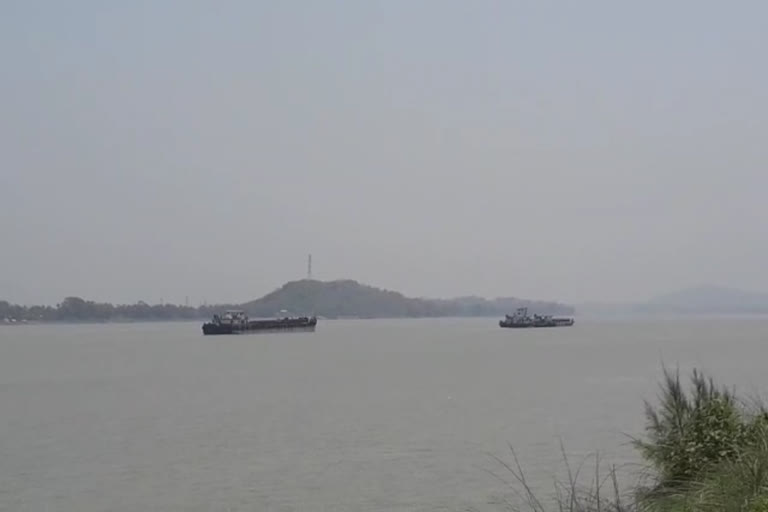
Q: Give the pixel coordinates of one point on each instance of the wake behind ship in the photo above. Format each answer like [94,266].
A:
[237,322]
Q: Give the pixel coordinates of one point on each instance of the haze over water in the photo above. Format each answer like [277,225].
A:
[360,416]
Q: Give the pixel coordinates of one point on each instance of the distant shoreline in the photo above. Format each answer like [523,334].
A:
[197,320]
[99,322]
[589,317]
[329,299]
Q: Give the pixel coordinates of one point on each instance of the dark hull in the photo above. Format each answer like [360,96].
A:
[560,322]
[515,325]
[260,326]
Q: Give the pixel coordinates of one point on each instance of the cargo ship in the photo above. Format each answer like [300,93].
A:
[521,320]
[237,322]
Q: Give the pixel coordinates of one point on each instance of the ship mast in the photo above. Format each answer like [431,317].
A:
[309,276]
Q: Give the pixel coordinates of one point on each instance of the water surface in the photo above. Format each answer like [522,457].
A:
[360,416]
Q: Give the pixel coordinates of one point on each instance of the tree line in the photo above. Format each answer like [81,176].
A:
[333,299]
[76,309]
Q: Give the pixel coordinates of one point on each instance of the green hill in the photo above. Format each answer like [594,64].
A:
[347,298]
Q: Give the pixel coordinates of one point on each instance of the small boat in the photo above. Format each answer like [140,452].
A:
[237,322]
[521,320]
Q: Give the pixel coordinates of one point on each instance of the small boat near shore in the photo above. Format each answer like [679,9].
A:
[237,322]
[521,320]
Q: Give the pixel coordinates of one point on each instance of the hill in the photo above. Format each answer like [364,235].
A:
[708,300]
[334,299]
[347,298]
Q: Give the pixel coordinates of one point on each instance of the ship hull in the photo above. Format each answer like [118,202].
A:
[260,326]
[509,325]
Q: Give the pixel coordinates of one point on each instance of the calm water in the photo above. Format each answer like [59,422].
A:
[359,416]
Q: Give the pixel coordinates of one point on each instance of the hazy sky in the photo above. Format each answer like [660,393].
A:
[571,150]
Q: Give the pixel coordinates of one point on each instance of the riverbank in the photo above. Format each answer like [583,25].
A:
[705,450]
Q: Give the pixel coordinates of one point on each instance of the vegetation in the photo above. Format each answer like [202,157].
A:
[706,450]
[690,433]
[332,299]
[601,495]
[75,309]
[346,298]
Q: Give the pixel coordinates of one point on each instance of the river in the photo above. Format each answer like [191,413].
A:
[362,415]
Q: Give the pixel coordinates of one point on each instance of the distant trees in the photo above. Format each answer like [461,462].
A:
[334,299]
[76,309]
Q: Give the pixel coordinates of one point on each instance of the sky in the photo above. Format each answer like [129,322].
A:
[579,151]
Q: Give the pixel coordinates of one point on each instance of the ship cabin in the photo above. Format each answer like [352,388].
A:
[231,317]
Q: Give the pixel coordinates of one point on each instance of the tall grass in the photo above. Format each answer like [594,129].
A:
[600,493]
[738,484]
[706,450]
